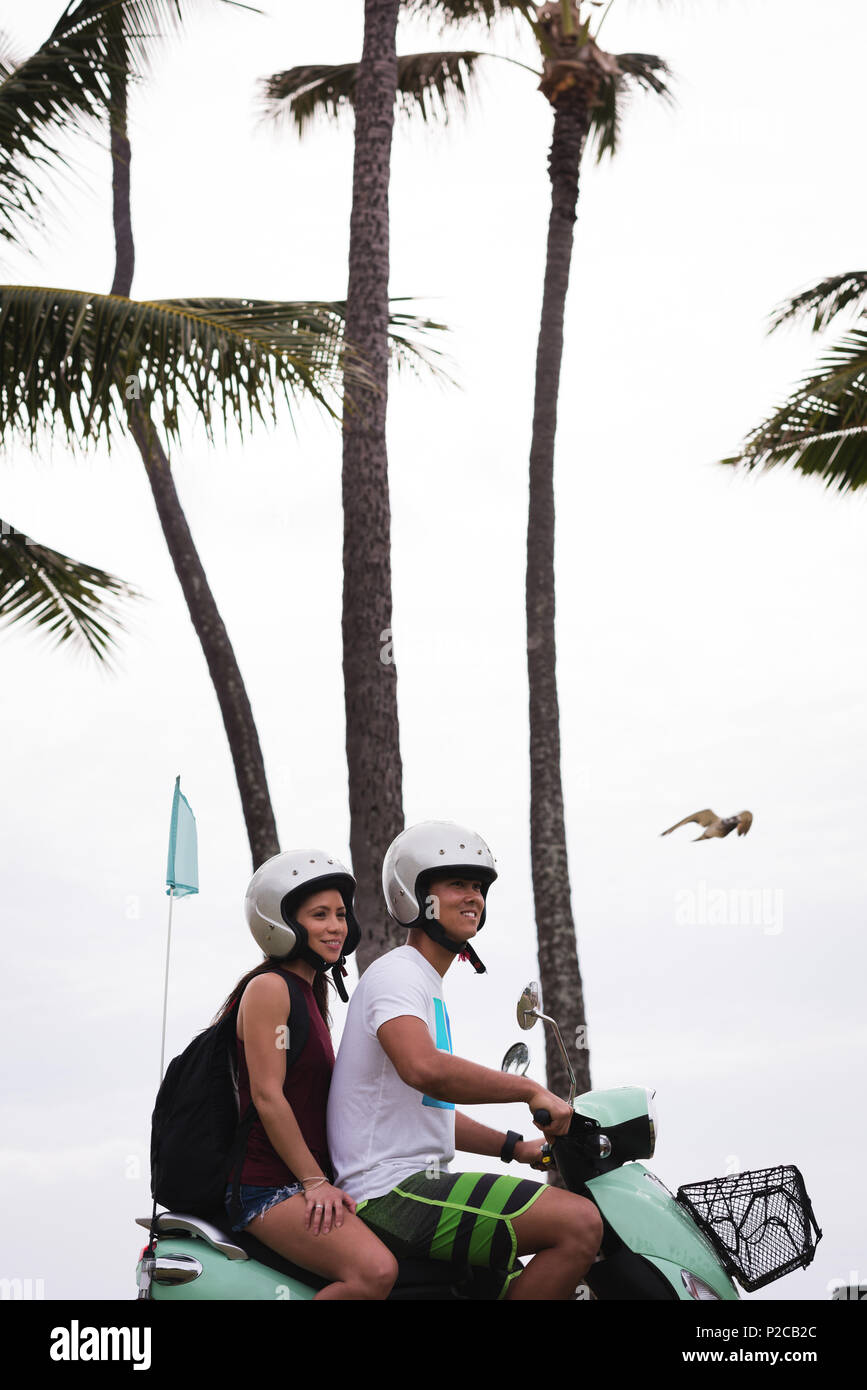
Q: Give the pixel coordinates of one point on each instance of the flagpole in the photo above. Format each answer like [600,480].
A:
[166,990]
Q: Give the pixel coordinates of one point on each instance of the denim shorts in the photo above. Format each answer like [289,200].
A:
[255,1201]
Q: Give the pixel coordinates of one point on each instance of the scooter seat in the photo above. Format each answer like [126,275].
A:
[416,1279]
[436,1279]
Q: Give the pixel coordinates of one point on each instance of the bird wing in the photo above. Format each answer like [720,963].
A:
[745,820]
[700,817]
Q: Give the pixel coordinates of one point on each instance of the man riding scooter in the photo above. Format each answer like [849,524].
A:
[392,1124]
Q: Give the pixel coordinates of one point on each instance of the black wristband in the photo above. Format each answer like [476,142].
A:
[507,1153]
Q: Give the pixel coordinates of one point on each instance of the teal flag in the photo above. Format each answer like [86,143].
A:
[182,873]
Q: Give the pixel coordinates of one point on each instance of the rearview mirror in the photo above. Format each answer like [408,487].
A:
[517,1059]
[528,1006]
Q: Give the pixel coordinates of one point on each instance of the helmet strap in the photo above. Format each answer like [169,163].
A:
[436,931]
[302,950]
[338,970]
[469,954]
[337,973]
[307,954]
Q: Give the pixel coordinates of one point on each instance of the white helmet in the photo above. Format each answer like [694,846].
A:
[273,897]
[426,851]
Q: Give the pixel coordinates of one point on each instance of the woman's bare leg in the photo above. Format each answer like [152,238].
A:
[357,1262]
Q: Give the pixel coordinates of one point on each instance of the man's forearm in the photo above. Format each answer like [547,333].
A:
[473,1138]
[467,1083]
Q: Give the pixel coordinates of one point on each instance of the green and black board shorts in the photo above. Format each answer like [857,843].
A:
[464,1218]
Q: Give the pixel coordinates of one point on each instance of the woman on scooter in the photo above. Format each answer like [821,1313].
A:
[299,907]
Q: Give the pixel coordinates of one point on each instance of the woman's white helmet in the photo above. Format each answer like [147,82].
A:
[271,899]
[430,849]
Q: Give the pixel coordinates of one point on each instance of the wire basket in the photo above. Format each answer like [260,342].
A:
[761,1224]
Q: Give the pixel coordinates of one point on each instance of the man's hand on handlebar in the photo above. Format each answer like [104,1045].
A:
[529,1151]
[559,1113]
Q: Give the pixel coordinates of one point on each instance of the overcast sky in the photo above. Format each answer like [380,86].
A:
[711,647]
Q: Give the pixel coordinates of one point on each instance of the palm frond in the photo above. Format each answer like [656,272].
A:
[452,13]
[66,599]
[67,83]
[637,70]
[10,58]
[824,301]
[70,360]
[411,347]
[822,428]
[427,83]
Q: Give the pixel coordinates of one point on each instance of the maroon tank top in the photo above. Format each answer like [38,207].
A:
[306,1089]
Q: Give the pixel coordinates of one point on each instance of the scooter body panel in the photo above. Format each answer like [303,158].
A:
[649,1220]
[223,1279]
[615,1106]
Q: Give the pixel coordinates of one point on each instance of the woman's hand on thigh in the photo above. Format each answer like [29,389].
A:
[324,1208]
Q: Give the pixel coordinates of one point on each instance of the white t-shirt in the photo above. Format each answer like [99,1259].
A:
[379,1129]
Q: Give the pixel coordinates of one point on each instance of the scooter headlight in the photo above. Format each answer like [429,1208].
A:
[651,1119]
[697,1288]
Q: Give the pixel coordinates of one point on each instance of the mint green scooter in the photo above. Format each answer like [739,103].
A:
[753,1227]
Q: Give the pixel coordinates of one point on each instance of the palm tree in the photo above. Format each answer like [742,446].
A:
[822,427]
[586,87]
[38,585]
[225,673]
[91,364]
[373,758]
[369,672]
[260,347]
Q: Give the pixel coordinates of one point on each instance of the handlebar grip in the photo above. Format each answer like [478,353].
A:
[542,1117]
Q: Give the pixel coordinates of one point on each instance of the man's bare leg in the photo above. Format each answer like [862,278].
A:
[563,1232]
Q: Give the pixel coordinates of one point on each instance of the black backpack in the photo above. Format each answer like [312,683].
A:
[197,1132]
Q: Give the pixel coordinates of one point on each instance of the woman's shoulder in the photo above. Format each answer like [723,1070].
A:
[268,988]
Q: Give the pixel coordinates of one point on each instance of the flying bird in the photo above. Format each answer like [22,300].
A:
[716,827]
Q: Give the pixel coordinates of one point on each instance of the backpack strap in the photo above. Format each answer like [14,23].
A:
[299,1017]
[298,1027]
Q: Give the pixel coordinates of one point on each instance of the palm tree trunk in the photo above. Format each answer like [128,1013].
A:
[204,614]
[558,956]
[370,678]
[210,629]
[124,246]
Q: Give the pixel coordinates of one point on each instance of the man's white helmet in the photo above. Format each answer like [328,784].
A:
[432,848]
[271,899]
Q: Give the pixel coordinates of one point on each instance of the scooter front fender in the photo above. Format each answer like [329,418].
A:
[651,1223]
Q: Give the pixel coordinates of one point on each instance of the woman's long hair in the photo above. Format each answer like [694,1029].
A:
[320,991]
